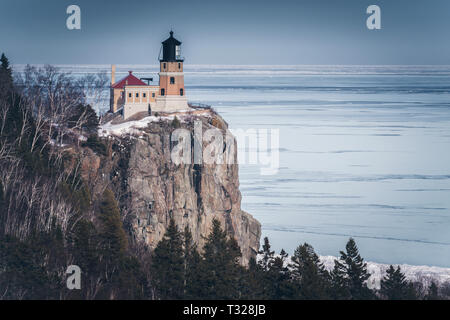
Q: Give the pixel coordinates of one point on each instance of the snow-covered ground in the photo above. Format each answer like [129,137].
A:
[128,127]
[423,274]
[132,126]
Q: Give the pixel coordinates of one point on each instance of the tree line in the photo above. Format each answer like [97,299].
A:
[180,271]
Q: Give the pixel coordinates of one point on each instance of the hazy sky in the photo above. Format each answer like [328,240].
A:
[227,32]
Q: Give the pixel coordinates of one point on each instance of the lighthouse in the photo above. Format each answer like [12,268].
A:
[130,95]
[172,95]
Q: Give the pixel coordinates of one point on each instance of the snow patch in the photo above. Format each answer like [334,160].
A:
[422,274]
[131,127]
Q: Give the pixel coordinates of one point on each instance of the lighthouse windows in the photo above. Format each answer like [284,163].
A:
[163,91]
[172,80]
[177,52]
[181,91]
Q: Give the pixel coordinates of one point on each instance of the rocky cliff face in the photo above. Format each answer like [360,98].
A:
[151,188]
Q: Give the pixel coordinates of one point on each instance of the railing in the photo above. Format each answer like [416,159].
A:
[198,105]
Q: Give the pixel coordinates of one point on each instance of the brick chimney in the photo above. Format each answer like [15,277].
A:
[113,74]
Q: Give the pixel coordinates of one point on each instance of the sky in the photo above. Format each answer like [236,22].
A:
[281,32]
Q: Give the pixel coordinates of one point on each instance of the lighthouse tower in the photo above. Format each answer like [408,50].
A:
[172,96]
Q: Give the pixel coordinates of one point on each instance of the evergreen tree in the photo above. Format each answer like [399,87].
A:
[220,266]
[121,272]
[22,276]
[253,286]
[112,232]
[433,292]
[83,246]
[168,268]
[395,287]
[191,266]
[84,117]
[5,69]
[276,276]
[262,270]
[267,256]
[350,275]
[96,144]
[309,274]
[339,284]
[279,276]
[176,123]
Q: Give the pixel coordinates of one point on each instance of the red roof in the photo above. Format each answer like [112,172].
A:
[129,80]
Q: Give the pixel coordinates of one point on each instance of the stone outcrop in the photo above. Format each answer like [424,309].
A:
[151,188]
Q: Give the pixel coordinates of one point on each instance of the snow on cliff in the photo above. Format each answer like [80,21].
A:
[128,127]
[132,126]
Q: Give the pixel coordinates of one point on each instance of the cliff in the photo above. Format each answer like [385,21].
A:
[151,188]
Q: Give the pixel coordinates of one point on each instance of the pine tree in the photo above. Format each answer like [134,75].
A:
[220,265]
[309,274]
[268,256]
[253,284]
[84,117]
[433,292]
[191,266]
[168,268]
[176,123]
[339,284]
[117,268]
[112,233]
[394,285]
[265,265]
[5,68]
[350,275]
[279,277]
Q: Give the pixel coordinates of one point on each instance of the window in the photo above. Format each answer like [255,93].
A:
[181,91]
[172,80]
[129,95]
[153,94]
[177,52]
[137,95]
[179,66]
[164,66]
[162,92]
[144,95]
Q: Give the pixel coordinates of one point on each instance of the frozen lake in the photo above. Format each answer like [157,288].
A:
[364,152]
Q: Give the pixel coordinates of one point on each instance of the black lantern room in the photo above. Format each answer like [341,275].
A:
[171,51]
